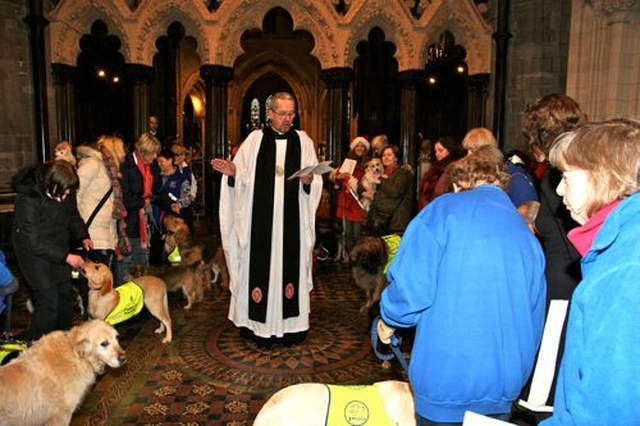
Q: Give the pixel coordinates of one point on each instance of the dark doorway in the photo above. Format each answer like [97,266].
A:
[253,110]
[444,92]
[376,92]
[100,96]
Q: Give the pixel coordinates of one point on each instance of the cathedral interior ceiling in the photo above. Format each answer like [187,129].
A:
[218,32]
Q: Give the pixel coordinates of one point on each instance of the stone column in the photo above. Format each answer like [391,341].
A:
[216,79]
[409,143]
[478,87]
[338,136]
[37,24]
[139,78]
[501,36]
[63,80]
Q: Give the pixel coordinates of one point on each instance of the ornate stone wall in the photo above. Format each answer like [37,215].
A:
[218,32]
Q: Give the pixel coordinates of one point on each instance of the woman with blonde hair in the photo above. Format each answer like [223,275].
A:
[138,187]
[597,383]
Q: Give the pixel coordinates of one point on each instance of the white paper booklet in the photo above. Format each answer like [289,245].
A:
[348,166]
[317,169]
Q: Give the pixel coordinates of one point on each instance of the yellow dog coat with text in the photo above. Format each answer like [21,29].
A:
[393,243]
[130,304]
[356,406]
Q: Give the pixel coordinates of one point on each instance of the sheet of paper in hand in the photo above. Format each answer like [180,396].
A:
[348,166]
[317,169]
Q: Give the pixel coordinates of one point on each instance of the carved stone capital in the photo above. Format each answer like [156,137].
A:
[63,73]
[138,73]
[617,10]
[410,79]
[336,78]
[216,75]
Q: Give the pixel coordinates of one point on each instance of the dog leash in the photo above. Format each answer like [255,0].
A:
[395,342]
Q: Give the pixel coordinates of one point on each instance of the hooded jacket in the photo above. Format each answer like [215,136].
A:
[44,230]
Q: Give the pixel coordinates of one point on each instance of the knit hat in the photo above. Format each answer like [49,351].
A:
[357,140]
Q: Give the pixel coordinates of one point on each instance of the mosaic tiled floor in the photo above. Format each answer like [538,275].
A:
[209,375]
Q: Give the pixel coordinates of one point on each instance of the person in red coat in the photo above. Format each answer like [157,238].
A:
[349,209]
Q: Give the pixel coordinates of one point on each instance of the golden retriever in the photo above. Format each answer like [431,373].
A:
[309,404]
[179,277]
[104,298]
[193,250]
[49,380]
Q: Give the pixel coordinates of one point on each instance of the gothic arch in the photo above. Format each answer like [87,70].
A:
[276,63]
[306,15]
[65,37]
[394,31]
[156,18]
[470,31]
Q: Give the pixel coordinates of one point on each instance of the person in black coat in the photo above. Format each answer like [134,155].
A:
[139,184]
[46,225]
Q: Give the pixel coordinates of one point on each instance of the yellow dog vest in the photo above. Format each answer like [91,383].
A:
[174,256]
[393,243]
[356,406]
[130,304]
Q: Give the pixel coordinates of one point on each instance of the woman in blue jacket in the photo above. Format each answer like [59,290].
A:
[598,380]
[470,276]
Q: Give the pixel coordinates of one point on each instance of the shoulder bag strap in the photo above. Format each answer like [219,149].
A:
[98,207]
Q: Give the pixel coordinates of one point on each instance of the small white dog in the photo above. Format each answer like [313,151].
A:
[373,172]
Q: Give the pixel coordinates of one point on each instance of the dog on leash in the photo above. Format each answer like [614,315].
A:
[317,404]
[180,277]
[116,305]
[373,171]
[48,381]
[369,259]
[184,249]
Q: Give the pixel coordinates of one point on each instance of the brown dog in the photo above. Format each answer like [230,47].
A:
[368,260]
[49,380]
[309,404]
[184,249]
[179,277]
[112,305]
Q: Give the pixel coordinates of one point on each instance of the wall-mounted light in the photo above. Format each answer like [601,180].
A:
[460,69]
[101,73]
[116,79]
[432,80]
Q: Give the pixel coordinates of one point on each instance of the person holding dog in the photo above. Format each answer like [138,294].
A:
[267,227]
[469,275]
[46,220]
[600,185]
[348,208]
[391,209]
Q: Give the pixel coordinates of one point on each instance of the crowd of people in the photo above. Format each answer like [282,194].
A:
[100,203]
[489,241]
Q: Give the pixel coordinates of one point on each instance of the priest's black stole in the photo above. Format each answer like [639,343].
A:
[261,228]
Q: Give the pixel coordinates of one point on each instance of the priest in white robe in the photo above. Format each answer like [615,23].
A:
[267,225]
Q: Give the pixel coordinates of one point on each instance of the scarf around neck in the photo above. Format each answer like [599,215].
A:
[583,236]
